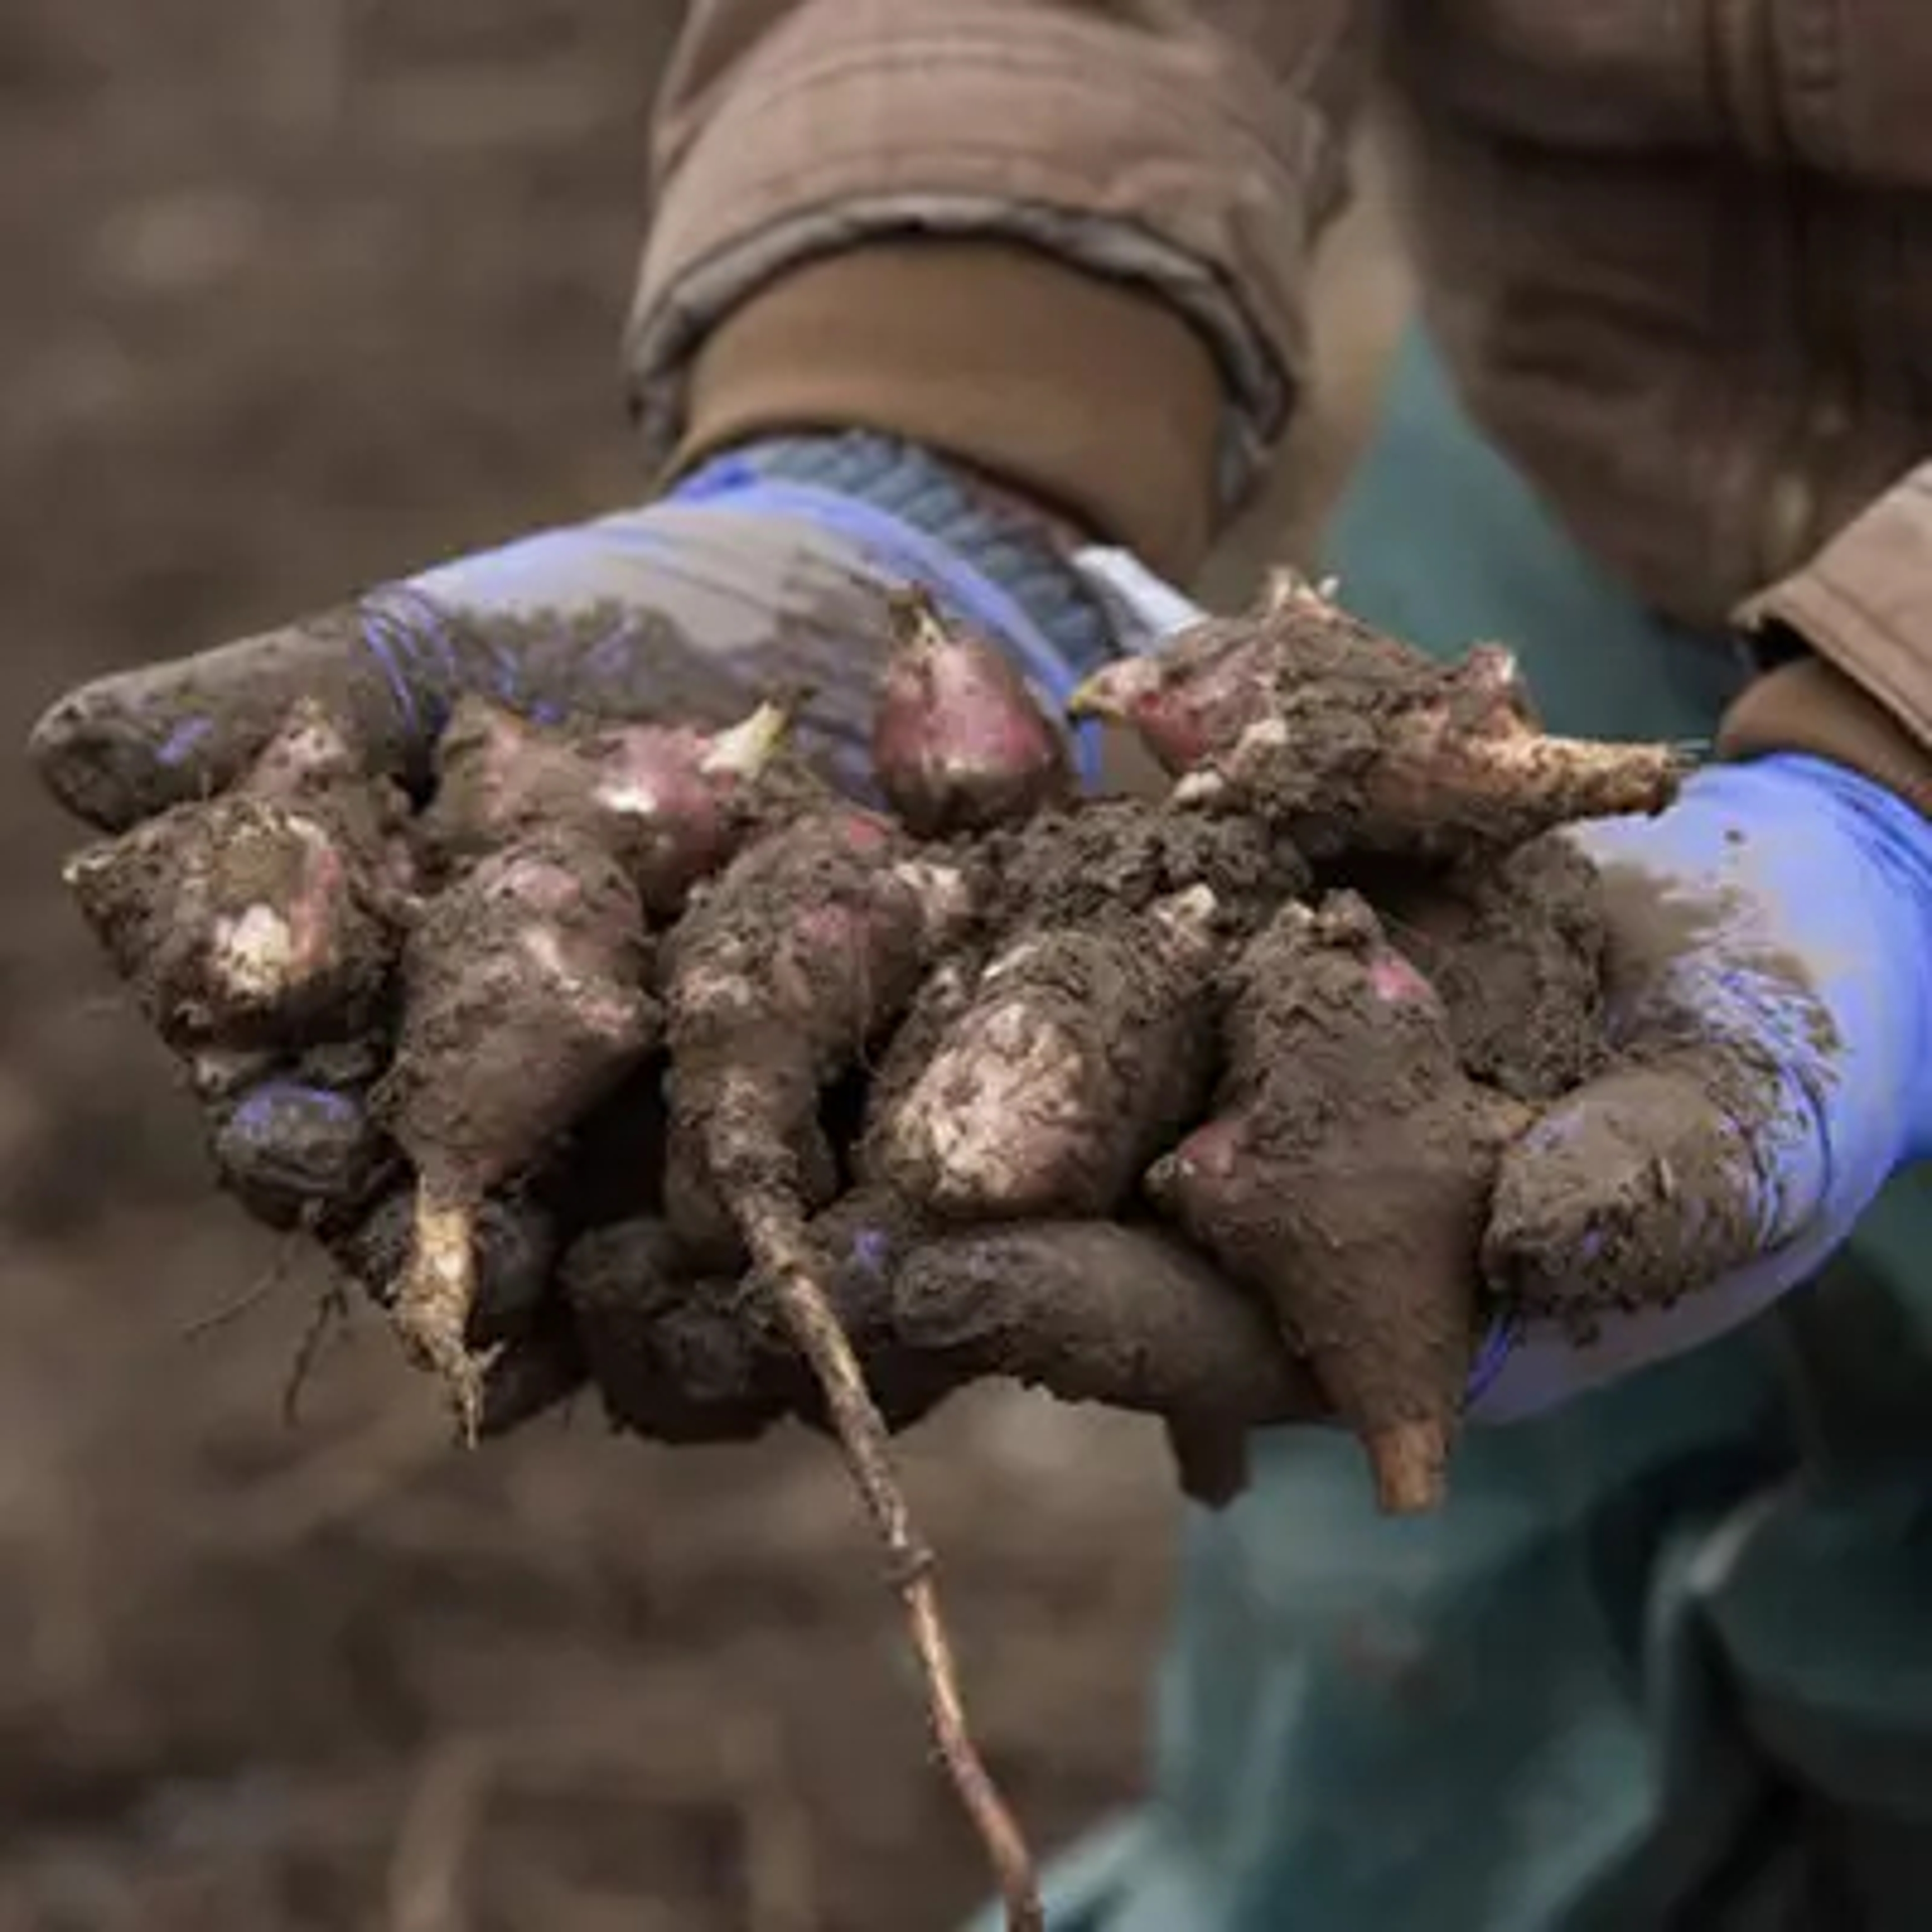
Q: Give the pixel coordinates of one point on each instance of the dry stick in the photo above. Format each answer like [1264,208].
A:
[775,1236]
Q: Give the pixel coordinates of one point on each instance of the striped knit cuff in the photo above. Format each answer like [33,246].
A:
[1011,549]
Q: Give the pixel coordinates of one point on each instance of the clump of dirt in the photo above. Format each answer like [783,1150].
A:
[1516,948]
[523,1004]
[1118,856]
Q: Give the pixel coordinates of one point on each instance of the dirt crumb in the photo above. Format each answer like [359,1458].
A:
[1120,855]
[1516,948]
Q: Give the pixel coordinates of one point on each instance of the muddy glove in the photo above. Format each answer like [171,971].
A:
[1771,1001]
[1771,957]
[1090,1311]
[762,572]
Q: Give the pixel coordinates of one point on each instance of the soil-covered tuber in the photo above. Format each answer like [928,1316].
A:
[806,950]
[1346,1174]
[1353,743]
[801,955]
[670,801]
[1084,1048]
[268,916]
[524,1003]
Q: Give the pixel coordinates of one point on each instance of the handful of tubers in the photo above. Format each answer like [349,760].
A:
[1251,1030]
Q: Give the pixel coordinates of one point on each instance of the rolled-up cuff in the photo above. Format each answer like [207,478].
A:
[1811,706]
[1186,160]
[1864,605]
[1097,400]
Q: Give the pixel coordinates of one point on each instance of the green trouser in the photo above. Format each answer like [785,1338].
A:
[1666,1658]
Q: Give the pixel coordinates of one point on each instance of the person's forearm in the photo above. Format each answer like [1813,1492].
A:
[1857,623]
[1066,244]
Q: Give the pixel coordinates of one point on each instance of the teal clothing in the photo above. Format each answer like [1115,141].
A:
[1665,1660]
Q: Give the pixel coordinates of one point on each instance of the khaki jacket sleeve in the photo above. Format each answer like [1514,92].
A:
[1862,608]
[1065,240]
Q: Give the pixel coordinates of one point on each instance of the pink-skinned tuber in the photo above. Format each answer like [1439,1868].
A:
[960,743]
[670,801]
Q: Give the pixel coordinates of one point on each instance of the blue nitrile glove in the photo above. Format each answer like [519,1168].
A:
[762,573]
[1771,1003]
[1771,956]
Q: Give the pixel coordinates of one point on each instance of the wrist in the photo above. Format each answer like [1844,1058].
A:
[1019,548]
[1803,704]
[1087,391]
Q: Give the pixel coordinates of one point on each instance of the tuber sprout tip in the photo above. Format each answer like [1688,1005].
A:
[743,750]
[1112,691]
[916,622]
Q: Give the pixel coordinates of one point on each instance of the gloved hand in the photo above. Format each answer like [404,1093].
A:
[763,573]
[1770,962]
[760,572]
[1771,1001]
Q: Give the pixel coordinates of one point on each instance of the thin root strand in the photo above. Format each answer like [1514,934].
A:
[331,1306]
[775,1236]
